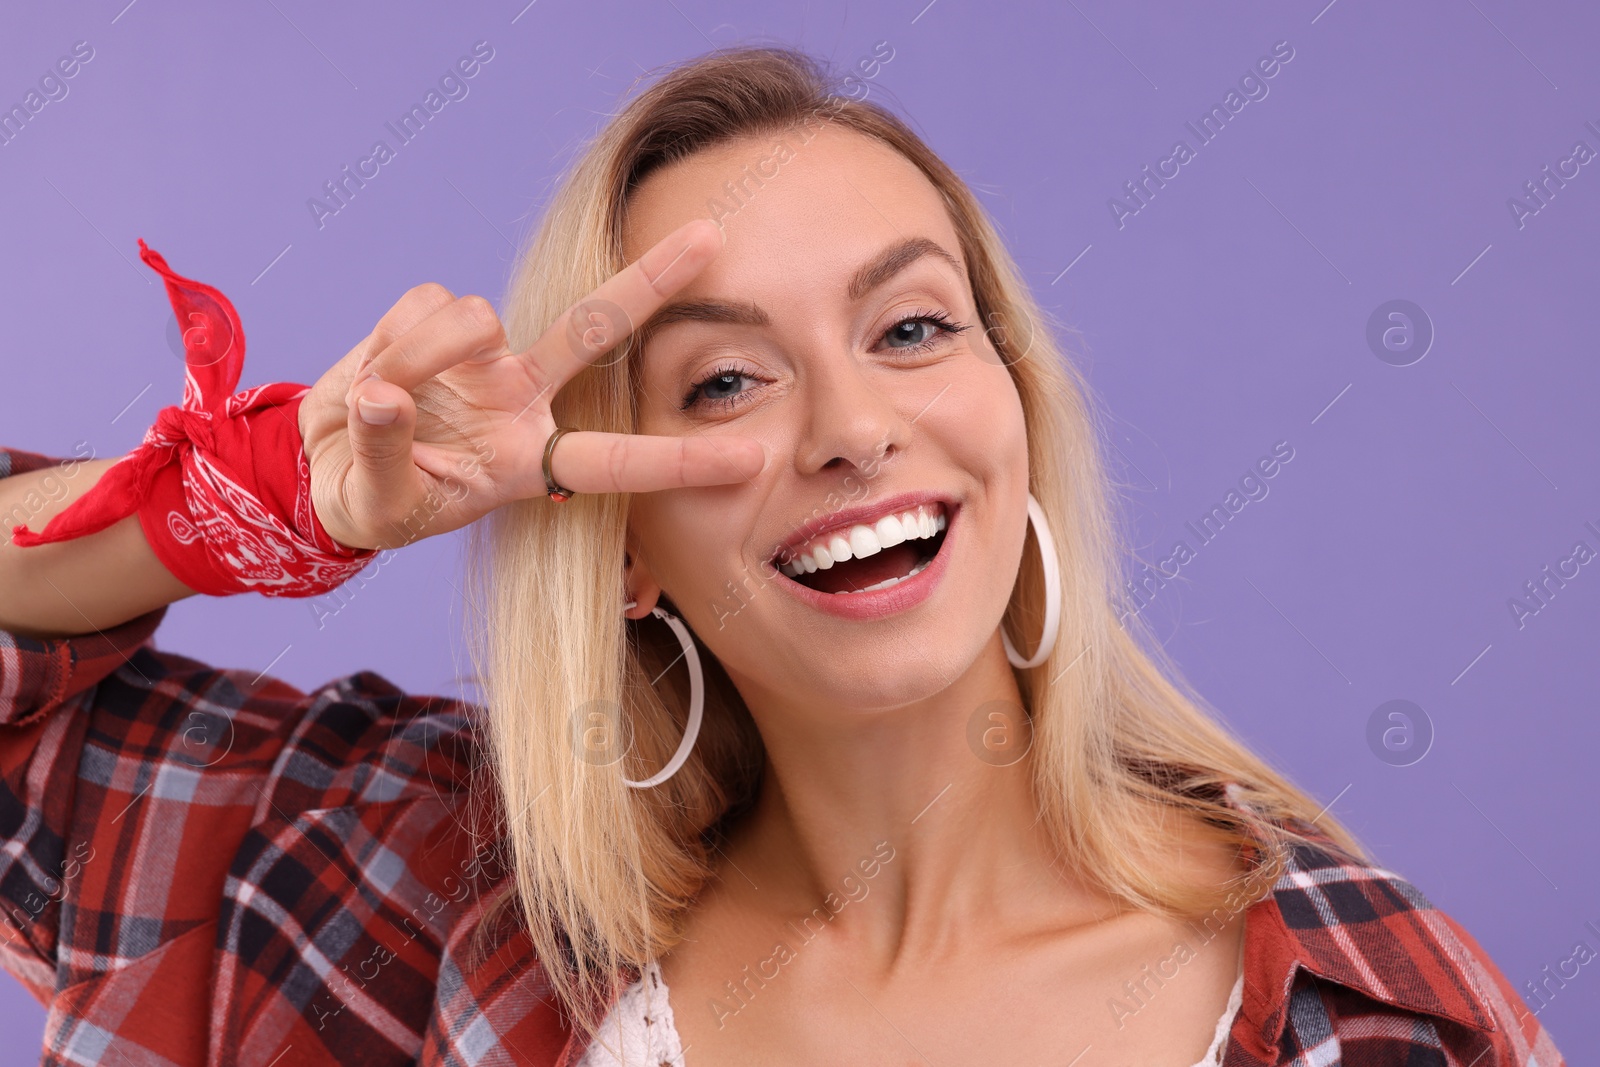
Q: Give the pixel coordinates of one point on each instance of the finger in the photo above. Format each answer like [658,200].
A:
[603,319]
[465,328]
[381,423]
[589,461]
[418,302]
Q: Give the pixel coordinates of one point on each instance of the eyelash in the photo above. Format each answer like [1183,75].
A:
[945,326]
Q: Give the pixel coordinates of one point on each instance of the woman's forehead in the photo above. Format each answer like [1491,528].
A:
[779,195]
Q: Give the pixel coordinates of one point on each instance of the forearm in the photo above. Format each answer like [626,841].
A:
[79,586]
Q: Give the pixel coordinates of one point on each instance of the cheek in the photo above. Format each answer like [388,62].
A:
[983,428]
[691,542]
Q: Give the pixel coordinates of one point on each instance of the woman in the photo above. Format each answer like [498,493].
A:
[912,792]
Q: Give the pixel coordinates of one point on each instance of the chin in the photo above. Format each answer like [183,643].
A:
[887,668]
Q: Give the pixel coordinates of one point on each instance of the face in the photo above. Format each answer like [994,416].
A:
[869,564]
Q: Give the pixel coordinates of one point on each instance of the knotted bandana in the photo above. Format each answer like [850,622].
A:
[221,482]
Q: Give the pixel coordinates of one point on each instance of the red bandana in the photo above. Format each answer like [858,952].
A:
[221,482]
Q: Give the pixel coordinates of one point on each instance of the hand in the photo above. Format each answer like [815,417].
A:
[461,421]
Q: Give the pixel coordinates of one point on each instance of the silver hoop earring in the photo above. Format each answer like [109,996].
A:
[1052,592]
[697,699]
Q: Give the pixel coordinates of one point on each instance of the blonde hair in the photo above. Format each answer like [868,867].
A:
[604,874]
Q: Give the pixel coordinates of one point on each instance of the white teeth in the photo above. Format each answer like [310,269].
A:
[890,531]
[864,542]
[861,539]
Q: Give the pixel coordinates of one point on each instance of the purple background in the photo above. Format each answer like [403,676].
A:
[1228,314]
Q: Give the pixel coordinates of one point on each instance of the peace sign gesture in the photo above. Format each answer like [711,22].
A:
[433,415]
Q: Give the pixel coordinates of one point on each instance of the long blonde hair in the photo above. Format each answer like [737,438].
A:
[604,874]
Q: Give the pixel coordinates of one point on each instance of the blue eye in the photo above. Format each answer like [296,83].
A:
[897,332]
[935,323]
[720,387]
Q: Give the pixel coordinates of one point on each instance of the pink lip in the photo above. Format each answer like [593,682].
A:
[899,597]
[866,514]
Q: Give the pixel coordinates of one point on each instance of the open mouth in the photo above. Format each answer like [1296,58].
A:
[865,557]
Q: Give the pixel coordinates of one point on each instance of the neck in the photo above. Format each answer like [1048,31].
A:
[900,822]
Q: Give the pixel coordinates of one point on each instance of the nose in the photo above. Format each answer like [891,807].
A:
[852,423]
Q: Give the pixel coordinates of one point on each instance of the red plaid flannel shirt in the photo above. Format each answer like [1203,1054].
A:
[197,866]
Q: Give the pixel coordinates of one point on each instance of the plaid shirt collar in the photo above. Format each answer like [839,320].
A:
[1361,927]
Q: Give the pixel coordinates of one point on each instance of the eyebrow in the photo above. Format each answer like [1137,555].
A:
[892,261]
[884,266]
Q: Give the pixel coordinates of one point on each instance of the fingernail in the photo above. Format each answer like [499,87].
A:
[375,414]
[667,268]
[670,265]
